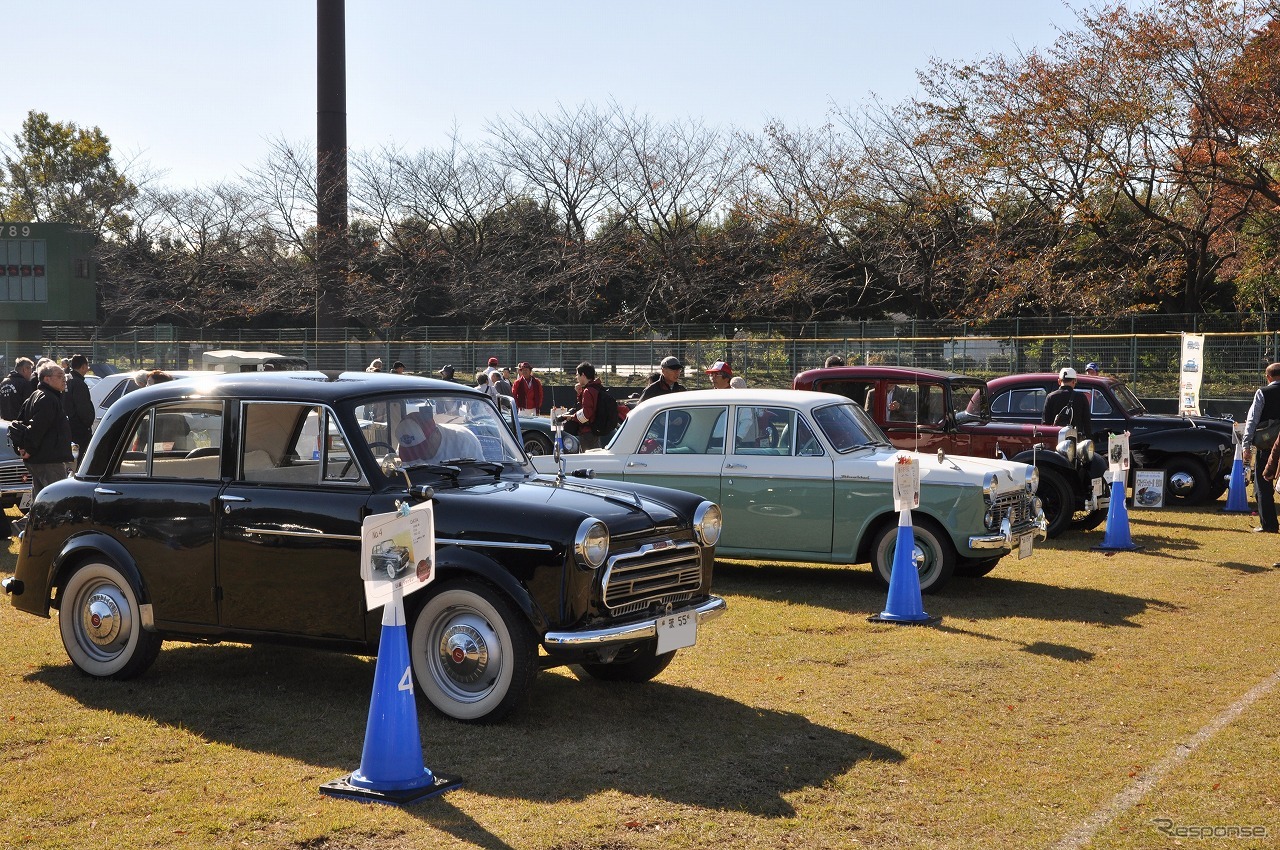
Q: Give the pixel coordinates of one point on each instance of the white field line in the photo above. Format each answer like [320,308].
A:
[1129,797]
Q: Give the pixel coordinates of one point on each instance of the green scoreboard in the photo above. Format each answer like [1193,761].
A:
[47,273]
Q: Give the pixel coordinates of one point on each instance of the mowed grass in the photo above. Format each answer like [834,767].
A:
[1051,688]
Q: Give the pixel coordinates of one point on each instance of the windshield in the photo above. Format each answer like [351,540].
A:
[1127,400]
[848,427]
[969,401]
[437,428]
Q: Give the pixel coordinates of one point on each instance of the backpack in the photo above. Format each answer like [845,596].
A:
[606,418]
[20,430]
[1067,414]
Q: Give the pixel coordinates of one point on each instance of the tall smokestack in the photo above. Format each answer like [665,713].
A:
[331,159]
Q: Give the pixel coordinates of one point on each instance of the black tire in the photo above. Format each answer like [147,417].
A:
[536,444]
[1186,481]
[473,653]
[975,567]
[1058,501]
[934,554]
[636,664]
[1088,521]
[101,624]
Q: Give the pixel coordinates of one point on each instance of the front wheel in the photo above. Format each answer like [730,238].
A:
[1088,521]
[637,664]
[101,624]
[472,652]
[976,567]
[536,444]
[1058,502]
[933,555]
[1186,481]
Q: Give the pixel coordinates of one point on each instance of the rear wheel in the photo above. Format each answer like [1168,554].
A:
[932,553]
[638,664]
[472,652]
[536,444]
[1083,521]
[101,624]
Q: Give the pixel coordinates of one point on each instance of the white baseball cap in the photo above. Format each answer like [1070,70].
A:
[1067,374]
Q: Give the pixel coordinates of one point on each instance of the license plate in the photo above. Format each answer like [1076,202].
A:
[1098,486]
[25,502]
[676,631]
[1024,546]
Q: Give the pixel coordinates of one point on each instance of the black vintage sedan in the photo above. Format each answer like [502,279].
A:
[1195,452]
[230,508]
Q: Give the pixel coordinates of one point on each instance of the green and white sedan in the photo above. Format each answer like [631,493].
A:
[805,476]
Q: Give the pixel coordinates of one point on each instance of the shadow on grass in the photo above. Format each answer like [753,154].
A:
[855,589]
[571,740]
[1060,651]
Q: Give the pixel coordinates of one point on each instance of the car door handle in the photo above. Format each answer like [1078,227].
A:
[233,498]
[735,466]
[637,463]
[103,491]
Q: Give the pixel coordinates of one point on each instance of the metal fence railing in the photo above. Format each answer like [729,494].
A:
[1143,350]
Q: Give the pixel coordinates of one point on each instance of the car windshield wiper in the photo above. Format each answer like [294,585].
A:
[438,468]
[491,466]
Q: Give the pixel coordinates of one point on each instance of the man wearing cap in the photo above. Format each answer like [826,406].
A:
[1092,369]
[527,391]
[670,370]
[492,369]
[1065,406]
[721,373]
[446,374]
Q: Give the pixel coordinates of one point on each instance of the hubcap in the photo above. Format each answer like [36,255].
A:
[918,557]
[104,618]
[1181,483]
[464,654]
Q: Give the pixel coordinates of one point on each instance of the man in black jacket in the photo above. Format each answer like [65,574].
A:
[1065,406]
[1259,434]
[15,388]
[668,379]
[78,405]
[48,454]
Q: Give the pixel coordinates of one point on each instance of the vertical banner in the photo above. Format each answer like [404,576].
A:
[906,483]
[1190,374]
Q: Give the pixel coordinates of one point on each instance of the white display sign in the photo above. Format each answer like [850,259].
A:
[1191,374]
[906,483]
[1118,453]
[397,552]
[1148,488]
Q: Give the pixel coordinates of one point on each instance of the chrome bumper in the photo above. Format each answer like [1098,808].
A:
[631,632]
[1006,538]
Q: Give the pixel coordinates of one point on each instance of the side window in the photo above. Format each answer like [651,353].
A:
[294,445]
[764,431]
[855,391]
[1021,403]
[691,431]
[1099,405]
[807,445]
[181,440]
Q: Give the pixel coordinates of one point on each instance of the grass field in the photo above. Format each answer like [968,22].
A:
[1074,699]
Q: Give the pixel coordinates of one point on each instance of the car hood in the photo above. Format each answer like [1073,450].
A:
[952,469]
[617,505]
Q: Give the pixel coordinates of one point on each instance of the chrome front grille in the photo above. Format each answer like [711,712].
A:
[1017,507]
[658,572]
[14,476]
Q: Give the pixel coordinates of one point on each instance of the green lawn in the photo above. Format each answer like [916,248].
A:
[1048,706]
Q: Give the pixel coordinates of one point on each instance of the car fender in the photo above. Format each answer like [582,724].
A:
[1209,446]
[456,561]
[78,548]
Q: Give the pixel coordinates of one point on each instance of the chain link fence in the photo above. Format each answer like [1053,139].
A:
[1144,351]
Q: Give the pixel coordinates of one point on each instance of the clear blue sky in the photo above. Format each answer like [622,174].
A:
[195,88]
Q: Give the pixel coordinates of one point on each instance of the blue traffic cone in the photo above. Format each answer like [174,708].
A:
[391,767]
[1237,498]
[1117,536]
[904,605]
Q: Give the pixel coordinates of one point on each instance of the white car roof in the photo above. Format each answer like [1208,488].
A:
[763,397]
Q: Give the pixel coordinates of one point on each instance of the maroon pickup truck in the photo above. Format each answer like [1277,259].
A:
[924,410]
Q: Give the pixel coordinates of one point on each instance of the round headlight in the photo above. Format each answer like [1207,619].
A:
[707,523]
[1033,479]
[1086,449]
[591,544]
[989,486]
[1068,448]
[571,444]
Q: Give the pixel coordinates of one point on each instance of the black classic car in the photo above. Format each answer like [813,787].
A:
[1195,452]
[15,483]
[230,508]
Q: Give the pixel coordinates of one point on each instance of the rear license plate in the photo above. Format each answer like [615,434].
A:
[676,631]
[1024,546]
[1098,486]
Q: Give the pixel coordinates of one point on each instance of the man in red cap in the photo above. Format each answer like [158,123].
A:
[721,373]
[492,369]
[527,391]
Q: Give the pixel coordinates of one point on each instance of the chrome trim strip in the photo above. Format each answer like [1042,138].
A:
[317,535]
[494,544]
[709,610]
